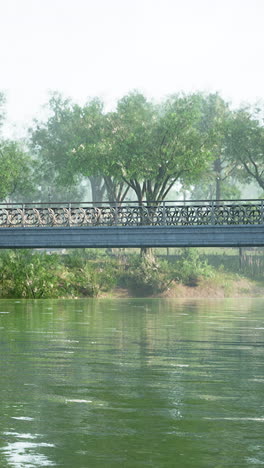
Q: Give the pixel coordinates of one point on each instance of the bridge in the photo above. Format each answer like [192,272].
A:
[196,223]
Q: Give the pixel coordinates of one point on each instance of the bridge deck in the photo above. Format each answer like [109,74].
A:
[166,224]
[141,236]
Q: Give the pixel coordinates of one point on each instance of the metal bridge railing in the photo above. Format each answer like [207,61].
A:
[164,213]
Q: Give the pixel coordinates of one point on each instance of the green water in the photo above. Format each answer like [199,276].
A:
[132,383]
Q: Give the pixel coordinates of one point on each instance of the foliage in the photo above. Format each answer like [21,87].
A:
[141,146]
[146,278]
[71,147]
[24,274]
[146,147]
[206,189]
[153,146]
[218,181]
[31,274]
[16,167]
[190,267]
[16,172]
[246,144]
[91,273]
[52,143]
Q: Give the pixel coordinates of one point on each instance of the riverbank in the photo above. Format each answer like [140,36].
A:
[241,287]
[76,274]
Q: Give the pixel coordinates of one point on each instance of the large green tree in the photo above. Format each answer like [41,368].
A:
[152,146]
[141,146]
[16,172]
[246,144]
[92,155]
[71,147]
[52,143]
[218,181]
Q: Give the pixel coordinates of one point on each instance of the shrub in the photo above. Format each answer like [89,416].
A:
[27,274]
[144,277]
[190,267]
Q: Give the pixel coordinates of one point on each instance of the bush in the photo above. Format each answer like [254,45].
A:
[144,277]
[190,267]
[93,278]
[31,274]
[27,274]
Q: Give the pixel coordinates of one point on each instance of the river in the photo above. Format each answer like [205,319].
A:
[132,383]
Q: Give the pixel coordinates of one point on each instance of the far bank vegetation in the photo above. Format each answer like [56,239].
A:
[93,273]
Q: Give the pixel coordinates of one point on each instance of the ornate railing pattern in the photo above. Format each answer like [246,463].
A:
[169,213]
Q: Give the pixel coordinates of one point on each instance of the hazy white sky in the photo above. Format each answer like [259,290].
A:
[106,48]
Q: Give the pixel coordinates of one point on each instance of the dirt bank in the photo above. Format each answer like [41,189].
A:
[206,288]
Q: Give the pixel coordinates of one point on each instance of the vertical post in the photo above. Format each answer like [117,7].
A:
[262,211]
[240,258]
[23,215]
[164,220]
[69,214]
[116,213]
[212,212]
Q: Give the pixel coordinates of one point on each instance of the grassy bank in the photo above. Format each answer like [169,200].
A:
[91,273]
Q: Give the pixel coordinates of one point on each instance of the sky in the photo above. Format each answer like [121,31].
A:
[106,48]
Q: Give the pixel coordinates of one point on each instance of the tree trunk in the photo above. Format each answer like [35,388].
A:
[240,258]
[218,189]
[97,188]
[147,254]
[218,177]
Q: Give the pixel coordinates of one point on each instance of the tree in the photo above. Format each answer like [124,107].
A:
[218,181]
[153,146]
[71,147]
[92,154]
[246,144]
[51,143]
[141,146]
[16,172]
[15,167]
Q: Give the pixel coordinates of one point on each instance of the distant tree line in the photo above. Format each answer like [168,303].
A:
[141,150]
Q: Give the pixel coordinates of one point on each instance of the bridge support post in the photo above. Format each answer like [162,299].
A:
[116,214]
[212,212]
[69,211]
[164,220]
[23,215]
